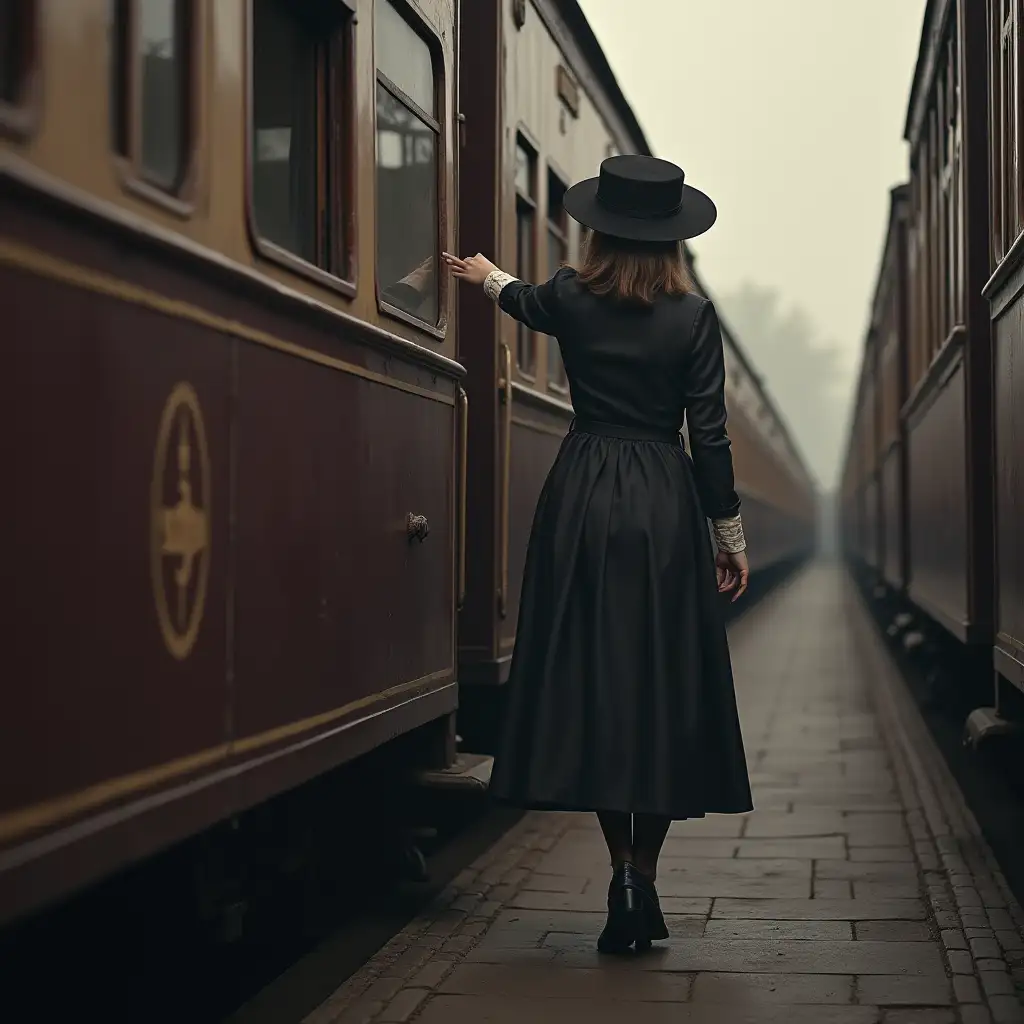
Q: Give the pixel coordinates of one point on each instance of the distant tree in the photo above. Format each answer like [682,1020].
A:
[804,375]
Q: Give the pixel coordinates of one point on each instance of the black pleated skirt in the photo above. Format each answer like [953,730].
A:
[620,694]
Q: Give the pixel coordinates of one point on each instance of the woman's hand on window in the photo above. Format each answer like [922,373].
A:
[473,270]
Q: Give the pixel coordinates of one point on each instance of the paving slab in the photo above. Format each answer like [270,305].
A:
[486,1009]
[596,900]
[724,929]
[858,892]
[891,991]
[510,982]
[789,989]
[799,848]
[821,910]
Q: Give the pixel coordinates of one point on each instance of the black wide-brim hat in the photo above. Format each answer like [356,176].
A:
[642,199]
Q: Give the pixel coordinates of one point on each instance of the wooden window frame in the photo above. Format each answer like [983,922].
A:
[524,201]
[1006,171]
[336,187]
[126,111]
[558,230]
[18,116]
[438,329]
[913,271]
[944,190]
[936,232]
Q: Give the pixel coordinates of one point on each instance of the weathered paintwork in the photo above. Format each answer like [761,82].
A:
[949,408]
[874,476]
[518,420]
[937,369]
[1009,416]
[219,589]
[1005,293]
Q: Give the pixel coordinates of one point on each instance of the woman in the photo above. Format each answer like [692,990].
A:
[620,694]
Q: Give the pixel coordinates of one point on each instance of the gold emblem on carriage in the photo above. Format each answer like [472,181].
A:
[180,517]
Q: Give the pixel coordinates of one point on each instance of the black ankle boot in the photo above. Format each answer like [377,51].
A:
[627,919]
[653,918]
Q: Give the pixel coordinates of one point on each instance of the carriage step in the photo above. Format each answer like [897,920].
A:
[468,773]
[983,723]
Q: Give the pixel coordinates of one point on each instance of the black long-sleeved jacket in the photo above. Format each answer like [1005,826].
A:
[644,367]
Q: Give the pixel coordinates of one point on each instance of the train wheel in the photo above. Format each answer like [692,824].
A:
[413,863]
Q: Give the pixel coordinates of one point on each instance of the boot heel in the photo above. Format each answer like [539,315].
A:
[631,901]
[626,922]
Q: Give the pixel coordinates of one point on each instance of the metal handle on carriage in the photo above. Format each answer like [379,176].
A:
[505,385]
[463,475]
[416,528]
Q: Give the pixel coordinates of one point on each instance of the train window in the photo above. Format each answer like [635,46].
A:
[1005,104]
[12,19]
[408,143]
[289,166]
[299,131]
[558,255]
[526,218]
[152,98]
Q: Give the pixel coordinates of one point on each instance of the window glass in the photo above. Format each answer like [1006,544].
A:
[524,170]
[556,253]
[162,52]
[407,170]
[10,36]
[404,57]
[525,182]
[524,271]
[556,212]
[287,149]
[406,208]
[120,105]
[557,256]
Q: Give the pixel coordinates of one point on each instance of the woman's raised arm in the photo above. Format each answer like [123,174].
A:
[534,305]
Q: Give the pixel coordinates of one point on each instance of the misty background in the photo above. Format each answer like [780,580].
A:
[790,115]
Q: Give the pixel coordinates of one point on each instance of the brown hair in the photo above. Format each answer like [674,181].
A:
[633,272]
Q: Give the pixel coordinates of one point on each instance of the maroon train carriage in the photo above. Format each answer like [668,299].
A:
[951,495]
[1004,293]
[889,322]
[874,477]
[235,414]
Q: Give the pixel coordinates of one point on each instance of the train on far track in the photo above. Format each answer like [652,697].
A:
[270,476]
[932,493]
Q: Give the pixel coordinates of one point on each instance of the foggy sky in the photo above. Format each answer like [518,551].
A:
[789,113]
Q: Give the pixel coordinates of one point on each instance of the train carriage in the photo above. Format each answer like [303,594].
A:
[1004,293]
[874,475]
[858,516]
[949,294]
[948,411]
[236,426]
[542,109]
[889,326]
[779,496]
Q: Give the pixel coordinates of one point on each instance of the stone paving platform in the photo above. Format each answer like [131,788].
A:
[858,892]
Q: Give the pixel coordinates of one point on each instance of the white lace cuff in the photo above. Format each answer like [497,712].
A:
[495,281]
[729,534]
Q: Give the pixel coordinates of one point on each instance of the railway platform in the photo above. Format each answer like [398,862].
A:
[859,891]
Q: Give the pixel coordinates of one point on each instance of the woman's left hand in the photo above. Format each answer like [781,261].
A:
[473,270]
